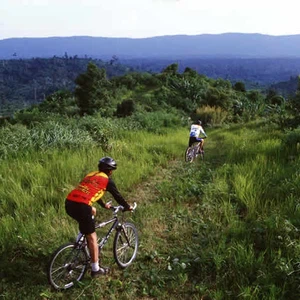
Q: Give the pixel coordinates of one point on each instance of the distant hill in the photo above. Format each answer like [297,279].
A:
[286,88]
[227,45]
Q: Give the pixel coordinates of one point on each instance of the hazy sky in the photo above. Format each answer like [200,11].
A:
[146,18]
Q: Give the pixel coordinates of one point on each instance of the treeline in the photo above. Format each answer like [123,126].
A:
[255,72]
[24,82]
[286,88]
[188,93]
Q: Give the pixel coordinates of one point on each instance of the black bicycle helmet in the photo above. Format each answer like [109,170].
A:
[106,164]
[198,122]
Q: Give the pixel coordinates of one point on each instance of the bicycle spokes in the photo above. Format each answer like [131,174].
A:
[67,266]
[189,154]
[125,245]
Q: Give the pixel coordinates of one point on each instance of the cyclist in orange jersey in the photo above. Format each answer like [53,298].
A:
[79,205]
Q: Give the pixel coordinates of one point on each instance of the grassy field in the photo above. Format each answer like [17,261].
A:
[223,229]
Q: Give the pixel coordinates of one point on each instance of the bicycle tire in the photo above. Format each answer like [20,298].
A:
[67,266]
[189,154]
[202,155]
[125,245]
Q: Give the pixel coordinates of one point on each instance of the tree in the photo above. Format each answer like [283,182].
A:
[113,60]
[239,86]
[91,90]
[171,69]
[190,72]
[294,106]
[273,98]
[295,101]
[126,108]
[219,97]
[61,102]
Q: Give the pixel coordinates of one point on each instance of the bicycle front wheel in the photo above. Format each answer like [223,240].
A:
[68,265]
[125,245]
[189,154]
[202,155]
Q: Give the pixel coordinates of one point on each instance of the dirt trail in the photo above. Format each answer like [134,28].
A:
[147,189]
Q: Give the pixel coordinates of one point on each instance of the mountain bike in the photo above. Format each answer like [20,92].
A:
[69,263]
[191,153]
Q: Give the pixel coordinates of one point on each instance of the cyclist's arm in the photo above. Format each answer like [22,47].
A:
[111,187]
[203,132]
[101,203]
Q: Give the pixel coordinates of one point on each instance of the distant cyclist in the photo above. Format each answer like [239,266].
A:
[195,133]
[80,201]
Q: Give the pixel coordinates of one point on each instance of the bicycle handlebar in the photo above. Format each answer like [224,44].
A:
[116,209]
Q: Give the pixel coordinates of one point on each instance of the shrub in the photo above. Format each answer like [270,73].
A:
[56,135]
[126,108]
[16,139]
[291,140]
[211,115]
[156,121]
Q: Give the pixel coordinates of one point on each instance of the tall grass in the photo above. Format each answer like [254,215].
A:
[212,115]
[34,185]
[230,227]
[227,228]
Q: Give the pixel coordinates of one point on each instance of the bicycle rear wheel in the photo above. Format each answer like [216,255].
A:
[68,265]
[125,245]
[189,154]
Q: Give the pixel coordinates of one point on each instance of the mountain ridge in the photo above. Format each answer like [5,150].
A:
[242,45]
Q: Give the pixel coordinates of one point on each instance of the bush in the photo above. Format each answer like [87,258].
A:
[34,116]
[156,121]
[56,135]
[16,139]
[126,108]
[211,115]
[291,140]
[100,129]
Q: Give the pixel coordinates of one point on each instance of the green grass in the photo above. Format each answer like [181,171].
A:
[226,227]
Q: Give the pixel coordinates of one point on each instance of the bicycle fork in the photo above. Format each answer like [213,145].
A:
[127,240]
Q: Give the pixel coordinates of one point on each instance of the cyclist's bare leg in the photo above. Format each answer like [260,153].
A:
[198,149]
[97,270]
[93,247]
[201,145]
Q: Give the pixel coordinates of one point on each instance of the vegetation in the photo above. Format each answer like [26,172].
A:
[227,228]
[255,72]
[24,82]
[183,94]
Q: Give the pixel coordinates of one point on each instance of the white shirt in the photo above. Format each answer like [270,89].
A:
[196,130]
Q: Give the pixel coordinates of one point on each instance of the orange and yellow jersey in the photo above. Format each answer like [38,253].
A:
[90,189]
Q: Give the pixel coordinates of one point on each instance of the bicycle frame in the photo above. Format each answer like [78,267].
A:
[70,261]
[115,225]
[196,146]
[191,152]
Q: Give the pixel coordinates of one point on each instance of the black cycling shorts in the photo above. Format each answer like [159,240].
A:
[82,213]
[193,140]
